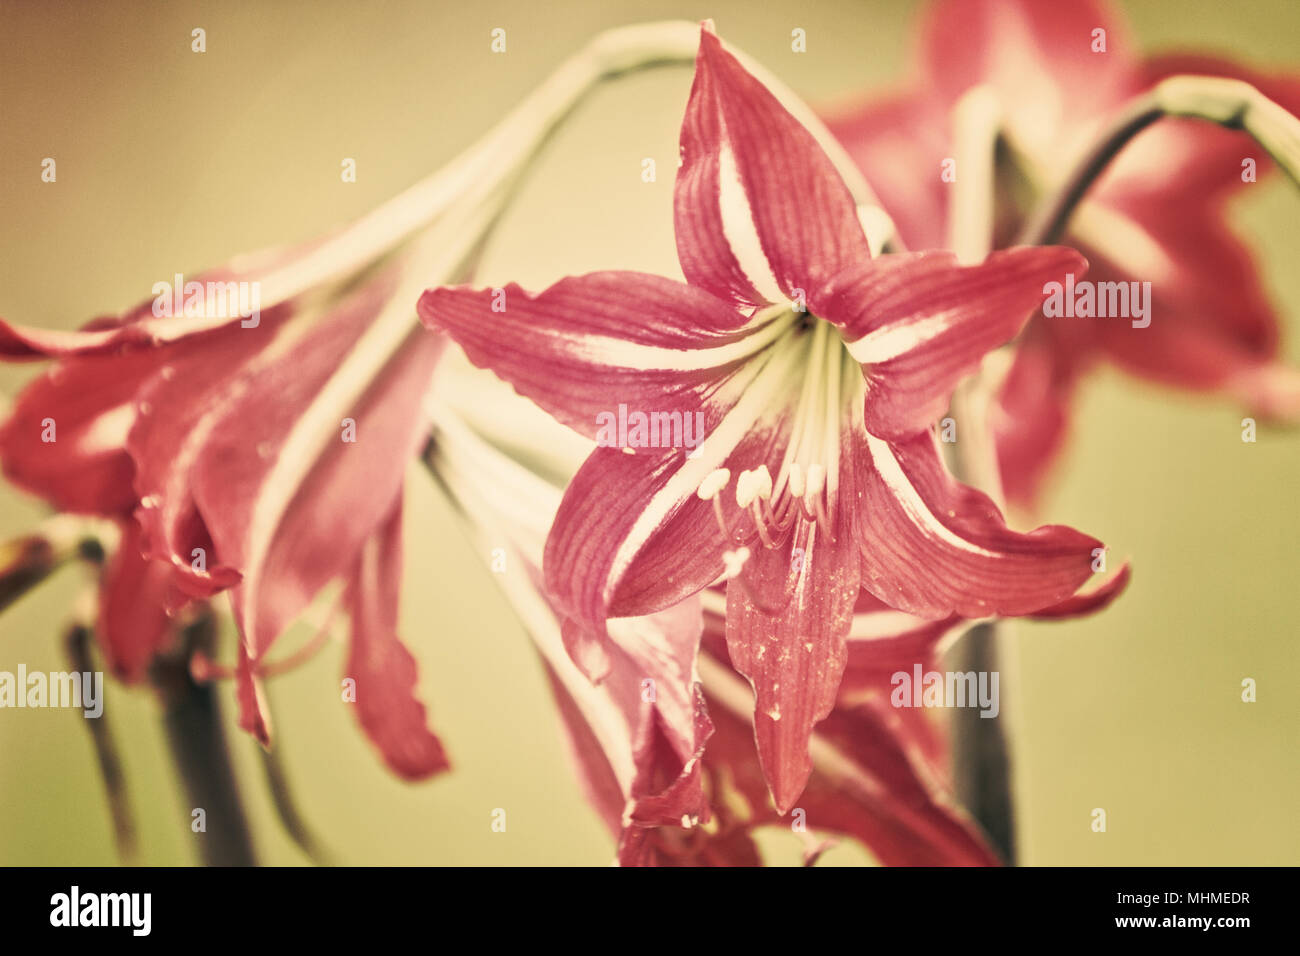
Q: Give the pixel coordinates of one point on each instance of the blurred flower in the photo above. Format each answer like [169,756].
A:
[264,455]
[1059,72]
[819,373]
[249,429]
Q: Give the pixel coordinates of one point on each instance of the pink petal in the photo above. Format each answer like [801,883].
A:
[934,547]
[222,481]
[1210,316]
[793,659]
[894,140]
[919,323]
[133,599]
[385,672]
[591,343]
[631,536]
[254,715]
[1094,600]
[750,180]
[1036,54]
[638,736]
[897,807]
[140,328]
[91,404]
[1030,418]
[881,793]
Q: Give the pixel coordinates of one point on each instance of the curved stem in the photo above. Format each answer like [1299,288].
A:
[1048,224]
[1229,103]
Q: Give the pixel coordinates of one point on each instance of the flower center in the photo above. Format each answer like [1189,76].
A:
[825,383]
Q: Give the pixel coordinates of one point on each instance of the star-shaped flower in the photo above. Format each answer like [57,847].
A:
[817,372]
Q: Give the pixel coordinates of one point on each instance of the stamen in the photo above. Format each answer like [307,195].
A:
[714,483]
[709,490]
[816,479]
[796,480]
[814,501]
[760,522]
[720,518]
[745,490]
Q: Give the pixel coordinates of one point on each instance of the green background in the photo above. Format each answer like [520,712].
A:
[172,161]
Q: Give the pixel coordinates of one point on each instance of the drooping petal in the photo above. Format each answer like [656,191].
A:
[911,817]
[760,213]
[64,439]
[250,696]
[1029,418]
[794,658]
[134,594]
[638,735]
[869,785]
[589,344]
[242,292]
[918,323]
[186,394]
[290,465]
[934,547]
[1091,601]
[384,670]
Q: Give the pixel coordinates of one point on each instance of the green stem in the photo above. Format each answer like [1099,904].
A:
[1232,104]
[77,646]
[196,736]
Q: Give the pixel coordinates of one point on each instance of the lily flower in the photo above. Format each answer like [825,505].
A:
[664,744]
[819,371]
[261,453]
[1058,71]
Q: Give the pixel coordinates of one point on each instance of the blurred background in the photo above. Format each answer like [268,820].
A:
[169,161]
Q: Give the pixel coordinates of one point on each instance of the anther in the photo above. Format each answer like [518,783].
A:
[714,483]
[796,480]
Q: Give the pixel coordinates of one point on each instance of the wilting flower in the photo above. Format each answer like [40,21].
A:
[261,453]
[820,371]
[1059,71]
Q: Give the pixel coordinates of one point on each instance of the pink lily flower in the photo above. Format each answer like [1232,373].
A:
[1059,70]
[664,745]
[818,371]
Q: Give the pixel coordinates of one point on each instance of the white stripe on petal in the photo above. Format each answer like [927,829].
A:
[898,338]
[738,227]
[620,353]
[764,394]
[891,472]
